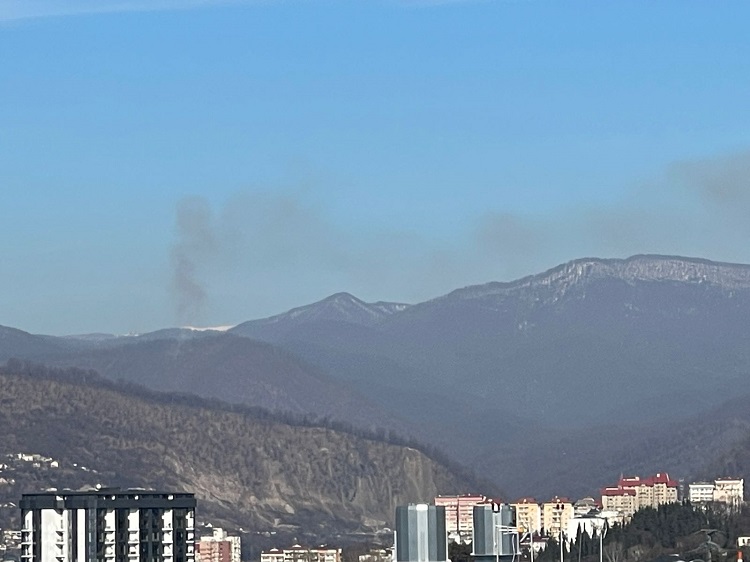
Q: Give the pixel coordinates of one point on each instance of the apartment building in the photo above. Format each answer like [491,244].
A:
[459,512]
[108,525]
[730,491]
[555,515]
[218,547]
[528,515]
[299,553]
[701,492]
[633,493]
[620,500]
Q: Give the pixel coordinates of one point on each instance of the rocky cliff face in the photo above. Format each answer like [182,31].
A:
[248,470]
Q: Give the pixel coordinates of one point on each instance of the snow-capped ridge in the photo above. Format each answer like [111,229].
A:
[638,268]
[339,307]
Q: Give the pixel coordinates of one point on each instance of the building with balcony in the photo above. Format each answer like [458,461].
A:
[730,491]
[108,525]
[620,500]
[633,493]
[298,553]
[528,515]
[701,492]
[555,515]
[459,522]
[219,547]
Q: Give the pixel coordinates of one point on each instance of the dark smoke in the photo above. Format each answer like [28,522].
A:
[193,248]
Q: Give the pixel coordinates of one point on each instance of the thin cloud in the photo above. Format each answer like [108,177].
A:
[260,253]
[29,9]
[11,10]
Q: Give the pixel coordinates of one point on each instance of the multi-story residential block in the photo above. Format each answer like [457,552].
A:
[377,555]
[555,515]
[730,491]
[108,525]
[633,493]
[701,492]
[219,547]
[299,553]
[459,513]
[620,500]
[528,515]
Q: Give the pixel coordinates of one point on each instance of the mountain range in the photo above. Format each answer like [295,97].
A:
[590,369]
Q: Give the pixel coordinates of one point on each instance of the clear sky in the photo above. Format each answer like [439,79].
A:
[170,162]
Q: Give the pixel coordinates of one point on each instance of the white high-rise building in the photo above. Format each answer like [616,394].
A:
[730,491]
[108,525]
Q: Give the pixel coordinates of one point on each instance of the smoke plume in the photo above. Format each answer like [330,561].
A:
[194,246]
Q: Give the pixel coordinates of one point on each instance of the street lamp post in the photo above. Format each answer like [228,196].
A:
[560,507]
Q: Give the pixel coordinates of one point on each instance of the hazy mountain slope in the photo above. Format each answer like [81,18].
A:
[579,462]
[17,343]
[637,329]
[492,370]
[505,372]
[233,369]
[341,311]
[247,469]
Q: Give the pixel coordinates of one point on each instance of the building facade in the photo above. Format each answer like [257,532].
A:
[701,492]
[459,513]
[555,515]
[299,553]
[219,547]
[528,515]
[730,491]
[633,493]
[420,534]
[108,525]
[620,500]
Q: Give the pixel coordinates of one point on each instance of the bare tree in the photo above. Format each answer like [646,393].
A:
[614,552]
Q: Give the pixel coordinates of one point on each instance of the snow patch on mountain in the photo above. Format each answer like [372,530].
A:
[340,307]
[641,268]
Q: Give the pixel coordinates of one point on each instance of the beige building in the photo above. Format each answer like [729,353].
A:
[298,553]
[730,491]
[633,493]
[555,515]
[528,515]
[620,500]
[219,547]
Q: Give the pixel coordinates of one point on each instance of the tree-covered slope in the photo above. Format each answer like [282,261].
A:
[248,468]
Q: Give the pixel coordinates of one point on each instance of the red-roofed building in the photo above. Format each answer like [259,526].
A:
[633,493]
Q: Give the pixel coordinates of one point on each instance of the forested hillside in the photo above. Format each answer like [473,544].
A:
[248,468]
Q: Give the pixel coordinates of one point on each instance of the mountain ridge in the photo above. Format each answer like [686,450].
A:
[639,267]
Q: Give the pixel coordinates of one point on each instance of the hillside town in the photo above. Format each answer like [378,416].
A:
[563,517]
[141,525]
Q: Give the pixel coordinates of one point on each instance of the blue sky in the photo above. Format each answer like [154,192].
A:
[203,162]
